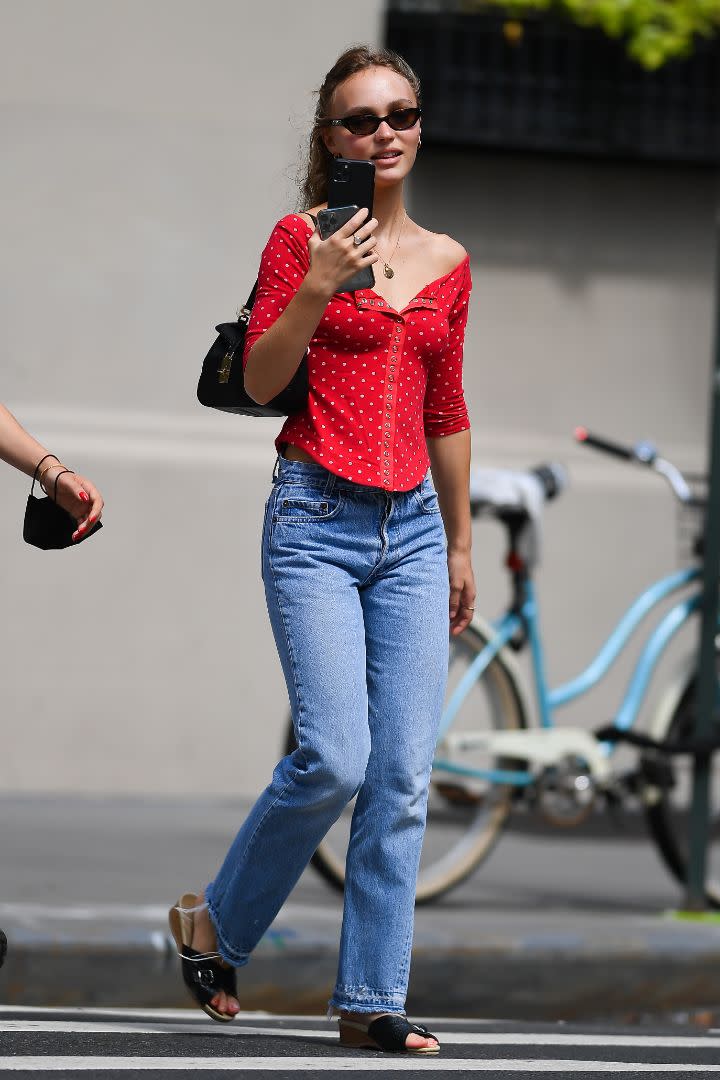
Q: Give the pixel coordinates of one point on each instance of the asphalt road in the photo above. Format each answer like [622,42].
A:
[72,850]
[148,1044]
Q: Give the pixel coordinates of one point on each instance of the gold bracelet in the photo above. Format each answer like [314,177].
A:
[57,465]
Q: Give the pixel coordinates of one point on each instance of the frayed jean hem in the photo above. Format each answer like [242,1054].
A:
[230,956]
[367,1003]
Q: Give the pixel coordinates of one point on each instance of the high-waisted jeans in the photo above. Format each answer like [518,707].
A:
[356,583]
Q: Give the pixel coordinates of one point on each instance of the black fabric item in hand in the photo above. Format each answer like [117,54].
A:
[47,525]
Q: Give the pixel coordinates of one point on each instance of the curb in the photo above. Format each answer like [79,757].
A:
[544,969]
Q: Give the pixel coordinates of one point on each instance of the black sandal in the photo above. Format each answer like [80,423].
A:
[204,974]
[387,1033]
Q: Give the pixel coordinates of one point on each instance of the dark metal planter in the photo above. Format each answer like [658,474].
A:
[554,87]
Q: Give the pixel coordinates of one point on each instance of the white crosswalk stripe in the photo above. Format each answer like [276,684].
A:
[336,1064]
[112,1030]
[475,1038]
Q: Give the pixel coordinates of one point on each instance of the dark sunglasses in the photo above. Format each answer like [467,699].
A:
[368,123]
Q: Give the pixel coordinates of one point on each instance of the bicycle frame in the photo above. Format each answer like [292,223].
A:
[523,619]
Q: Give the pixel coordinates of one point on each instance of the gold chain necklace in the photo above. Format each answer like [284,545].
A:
[387,268]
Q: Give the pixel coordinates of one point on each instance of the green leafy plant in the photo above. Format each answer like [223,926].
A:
[654,30]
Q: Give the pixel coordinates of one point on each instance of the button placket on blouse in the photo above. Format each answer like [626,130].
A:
[389,413]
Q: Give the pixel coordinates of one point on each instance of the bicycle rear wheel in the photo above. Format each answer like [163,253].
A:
[667,804]
[465,816]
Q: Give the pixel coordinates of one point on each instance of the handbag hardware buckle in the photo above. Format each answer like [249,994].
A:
[224,369]
[243,315]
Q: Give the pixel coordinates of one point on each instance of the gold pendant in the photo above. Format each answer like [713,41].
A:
[388,271]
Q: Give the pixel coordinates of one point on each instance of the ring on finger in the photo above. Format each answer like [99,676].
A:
[358,240]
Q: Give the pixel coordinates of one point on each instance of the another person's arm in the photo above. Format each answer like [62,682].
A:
[75,494]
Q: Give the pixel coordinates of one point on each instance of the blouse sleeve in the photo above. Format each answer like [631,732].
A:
[283,265]
[444,411]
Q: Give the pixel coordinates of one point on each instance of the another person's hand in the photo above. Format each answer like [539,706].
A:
[78,496]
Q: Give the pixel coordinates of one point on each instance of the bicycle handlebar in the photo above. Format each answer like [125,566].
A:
[552,477]
[597,442]
[643,453]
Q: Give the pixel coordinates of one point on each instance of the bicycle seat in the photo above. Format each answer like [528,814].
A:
[517,498]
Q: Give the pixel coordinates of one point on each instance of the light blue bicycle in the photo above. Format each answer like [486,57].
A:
[492,754]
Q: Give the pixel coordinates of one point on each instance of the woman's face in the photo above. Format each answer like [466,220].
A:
[377,90]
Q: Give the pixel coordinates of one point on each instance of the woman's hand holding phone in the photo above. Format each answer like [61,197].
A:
[338,258]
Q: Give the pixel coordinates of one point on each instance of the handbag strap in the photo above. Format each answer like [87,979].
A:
[248,306]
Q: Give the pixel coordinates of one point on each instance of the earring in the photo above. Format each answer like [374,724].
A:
[419,142]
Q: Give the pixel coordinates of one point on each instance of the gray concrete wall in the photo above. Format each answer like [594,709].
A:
[149,147]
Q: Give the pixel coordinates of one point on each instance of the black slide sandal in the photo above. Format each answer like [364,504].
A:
[204,974]
[388,1033]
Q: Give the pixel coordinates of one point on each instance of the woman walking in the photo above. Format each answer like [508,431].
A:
[366,565]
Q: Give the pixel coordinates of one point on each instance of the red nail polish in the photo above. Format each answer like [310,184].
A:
[84,496]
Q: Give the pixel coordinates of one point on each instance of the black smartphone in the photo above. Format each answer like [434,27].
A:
[329,221]
[351,183]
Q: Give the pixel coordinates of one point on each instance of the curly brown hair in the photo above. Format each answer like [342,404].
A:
[313,185]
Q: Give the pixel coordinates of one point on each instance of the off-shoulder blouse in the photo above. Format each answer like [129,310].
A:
[381,380]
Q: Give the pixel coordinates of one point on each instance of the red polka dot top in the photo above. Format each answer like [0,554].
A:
[380,380]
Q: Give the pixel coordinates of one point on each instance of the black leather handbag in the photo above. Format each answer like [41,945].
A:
[222,379]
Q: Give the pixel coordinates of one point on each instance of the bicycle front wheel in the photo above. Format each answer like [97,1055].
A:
[668,802]
[465,815]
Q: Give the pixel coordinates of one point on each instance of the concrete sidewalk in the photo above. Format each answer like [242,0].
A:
[571,925]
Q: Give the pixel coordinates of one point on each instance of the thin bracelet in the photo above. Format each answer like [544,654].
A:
[37,467]
[58,465]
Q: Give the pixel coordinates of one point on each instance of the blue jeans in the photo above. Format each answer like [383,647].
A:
[356,584]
